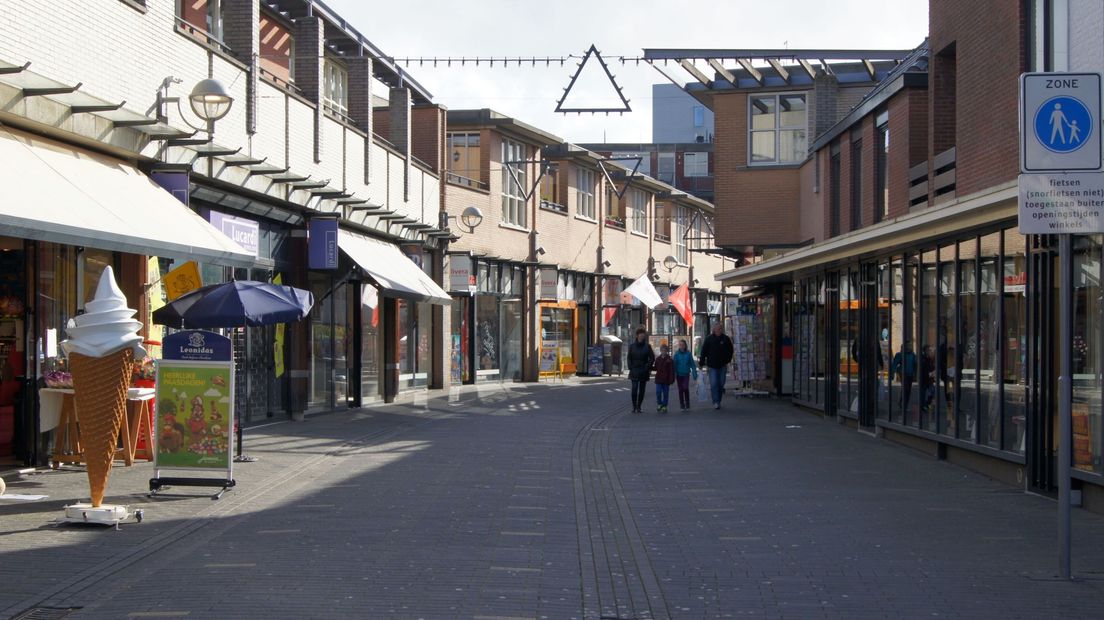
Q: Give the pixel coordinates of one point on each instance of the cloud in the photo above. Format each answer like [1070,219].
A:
[212,393]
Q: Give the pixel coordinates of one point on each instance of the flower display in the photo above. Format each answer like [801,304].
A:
[59,379]
[144,370]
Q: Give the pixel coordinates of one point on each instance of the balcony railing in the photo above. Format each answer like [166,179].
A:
[941,183]
[663,238]
[456,179]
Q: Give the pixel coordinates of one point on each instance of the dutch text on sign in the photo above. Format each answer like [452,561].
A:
[1061,203]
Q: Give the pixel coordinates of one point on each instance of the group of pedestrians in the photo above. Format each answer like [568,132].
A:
[714,357]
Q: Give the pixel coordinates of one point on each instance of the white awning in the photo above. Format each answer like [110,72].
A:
[51,191]
[392,271]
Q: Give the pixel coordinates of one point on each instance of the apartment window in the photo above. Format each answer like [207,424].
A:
[663,216]
[881,167]
[776,129]
[638,211]
[614,213]
[680,234]
[277,55]
[834,191]
[513,197]
[667,168]
[463,162]
[202,17]
[584,192]
[336,94]
[699,116]
[856,184]
[695,164]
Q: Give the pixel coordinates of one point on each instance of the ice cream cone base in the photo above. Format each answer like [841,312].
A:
[106,514]
[100,390]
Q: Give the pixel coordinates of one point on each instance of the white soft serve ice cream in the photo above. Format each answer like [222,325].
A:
[107,325]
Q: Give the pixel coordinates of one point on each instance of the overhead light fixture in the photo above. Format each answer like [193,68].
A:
[209,100]
[670,263]
[471,218]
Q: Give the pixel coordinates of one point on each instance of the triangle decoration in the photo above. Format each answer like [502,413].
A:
[593,53]
[628,178]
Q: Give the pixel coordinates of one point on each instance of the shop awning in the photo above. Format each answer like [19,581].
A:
[392,271]
[51,191]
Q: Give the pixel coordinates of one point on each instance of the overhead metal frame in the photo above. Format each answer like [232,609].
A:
[593,52]
[544,166]
[628,177]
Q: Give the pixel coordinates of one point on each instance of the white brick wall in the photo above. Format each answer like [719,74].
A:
[119,53]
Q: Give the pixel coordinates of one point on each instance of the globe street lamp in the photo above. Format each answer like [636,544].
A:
[670,263]
[209,100]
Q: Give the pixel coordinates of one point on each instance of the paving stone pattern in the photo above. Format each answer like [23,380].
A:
[552,501]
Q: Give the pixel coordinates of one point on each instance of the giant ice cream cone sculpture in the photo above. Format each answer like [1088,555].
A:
[102,347]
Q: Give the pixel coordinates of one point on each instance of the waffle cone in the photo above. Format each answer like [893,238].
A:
[100,392]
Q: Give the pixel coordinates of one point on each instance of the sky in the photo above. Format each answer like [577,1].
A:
[443,28]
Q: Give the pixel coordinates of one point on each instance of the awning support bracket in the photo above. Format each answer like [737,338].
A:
[51,90]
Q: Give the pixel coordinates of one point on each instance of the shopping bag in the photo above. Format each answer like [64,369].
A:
[703,388]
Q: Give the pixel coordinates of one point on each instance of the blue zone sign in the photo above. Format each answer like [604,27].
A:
[1060,122]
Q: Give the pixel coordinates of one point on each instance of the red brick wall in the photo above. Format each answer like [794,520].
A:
[990,53]
[381,122]
[427,129]
[755,206]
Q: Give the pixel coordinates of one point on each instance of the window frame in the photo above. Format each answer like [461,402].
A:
[777,129]
[585,194]
[513,201]
[332,68]
[701,164]
[881,167]
[638,211]
[682,254]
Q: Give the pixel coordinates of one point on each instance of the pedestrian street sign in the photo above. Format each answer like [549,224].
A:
[1060,122]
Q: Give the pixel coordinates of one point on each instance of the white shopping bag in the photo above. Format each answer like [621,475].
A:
[703,388]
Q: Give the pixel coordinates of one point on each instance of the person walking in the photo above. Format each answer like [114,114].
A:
[664,377]
[684,369]
[641,358]
[716,353]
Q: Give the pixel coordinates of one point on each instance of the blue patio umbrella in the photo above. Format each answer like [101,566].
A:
[238,303]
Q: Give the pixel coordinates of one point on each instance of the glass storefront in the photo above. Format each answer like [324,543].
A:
[371,353]
[331,342]
[557,345]
[950,329]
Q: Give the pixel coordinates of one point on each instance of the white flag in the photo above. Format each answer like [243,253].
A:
[643,290]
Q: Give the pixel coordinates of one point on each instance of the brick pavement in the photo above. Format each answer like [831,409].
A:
[549,501]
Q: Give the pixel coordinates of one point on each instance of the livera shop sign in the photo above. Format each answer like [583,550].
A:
[245,233]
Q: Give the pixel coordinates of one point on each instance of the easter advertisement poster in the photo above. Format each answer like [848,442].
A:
[194,415]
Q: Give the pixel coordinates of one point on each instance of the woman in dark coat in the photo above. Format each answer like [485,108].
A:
[641,358]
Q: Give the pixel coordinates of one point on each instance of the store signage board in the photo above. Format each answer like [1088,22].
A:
[461,276]
[182,280]
[549,283]
[195,409]
[1061,203]
[1060,122]
[322,243]
[244,232]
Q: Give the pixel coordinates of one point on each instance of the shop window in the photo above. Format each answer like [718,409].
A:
[1014,363]
[585,181]
[91,266]
[883,338]
[929,322]
[371,353]
[464,159]
[1086,368]
[277,50]
[946,349]
[336,94]
[202,19]
[963,365]
[988,339]
[513,196]
[776,129]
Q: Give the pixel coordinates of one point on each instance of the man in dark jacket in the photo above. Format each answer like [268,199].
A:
[641,357]
[716,353]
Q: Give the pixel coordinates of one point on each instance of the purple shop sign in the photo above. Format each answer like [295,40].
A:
[322,243]
[176,183]
[246,233]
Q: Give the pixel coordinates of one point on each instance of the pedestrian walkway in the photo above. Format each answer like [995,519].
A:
[551,501]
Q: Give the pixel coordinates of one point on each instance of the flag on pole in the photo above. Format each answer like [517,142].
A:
[680,299]
[643,290]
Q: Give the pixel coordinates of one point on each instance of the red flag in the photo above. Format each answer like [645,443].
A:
[680,300]
[607,314]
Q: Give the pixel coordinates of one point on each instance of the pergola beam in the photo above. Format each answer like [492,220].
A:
[721,71]
[752,71]
[694,71]
[808,67]
[782,71]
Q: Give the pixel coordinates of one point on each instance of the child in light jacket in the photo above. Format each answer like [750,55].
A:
[684,369]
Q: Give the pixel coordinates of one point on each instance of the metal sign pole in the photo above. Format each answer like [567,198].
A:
[1065,401]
